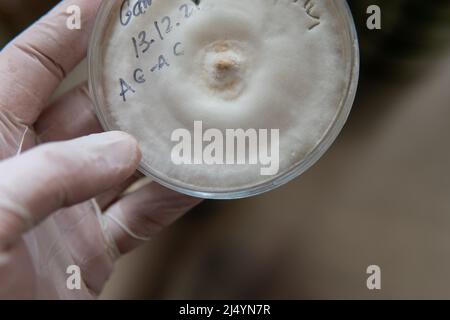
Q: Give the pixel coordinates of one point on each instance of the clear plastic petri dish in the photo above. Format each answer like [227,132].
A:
[227,98]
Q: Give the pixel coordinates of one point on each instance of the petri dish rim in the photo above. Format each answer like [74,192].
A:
[330,135]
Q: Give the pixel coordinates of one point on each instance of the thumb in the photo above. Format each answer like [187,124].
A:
[56,175]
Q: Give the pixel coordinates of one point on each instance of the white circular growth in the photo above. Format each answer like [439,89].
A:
[251,64]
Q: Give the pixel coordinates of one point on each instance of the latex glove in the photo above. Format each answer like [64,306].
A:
[48,220]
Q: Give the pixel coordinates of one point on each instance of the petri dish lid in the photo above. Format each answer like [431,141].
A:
[278,77]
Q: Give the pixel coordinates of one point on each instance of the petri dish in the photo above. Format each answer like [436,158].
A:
[227,98]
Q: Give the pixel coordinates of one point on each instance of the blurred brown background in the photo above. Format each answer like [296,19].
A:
[381,195]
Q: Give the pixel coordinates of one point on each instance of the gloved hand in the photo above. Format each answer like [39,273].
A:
[62,203]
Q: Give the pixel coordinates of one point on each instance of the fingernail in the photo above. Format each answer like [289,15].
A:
[116,148]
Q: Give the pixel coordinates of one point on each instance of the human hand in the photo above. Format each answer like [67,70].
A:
[48,218]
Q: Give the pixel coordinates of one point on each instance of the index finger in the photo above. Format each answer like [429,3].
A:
[33,65]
